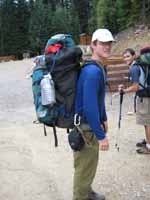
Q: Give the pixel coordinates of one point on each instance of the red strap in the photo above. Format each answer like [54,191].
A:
[53,48]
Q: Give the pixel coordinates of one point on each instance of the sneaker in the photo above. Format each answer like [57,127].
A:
[143,150]
[141,144]
[95,196]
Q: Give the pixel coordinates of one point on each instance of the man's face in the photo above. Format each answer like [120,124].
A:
[102,49]
[128,58]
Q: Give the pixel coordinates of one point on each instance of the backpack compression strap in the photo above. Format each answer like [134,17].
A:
[55,134]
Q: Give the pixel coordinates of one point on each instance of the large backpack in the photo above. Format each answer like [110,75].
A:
[62,61]
[144,63]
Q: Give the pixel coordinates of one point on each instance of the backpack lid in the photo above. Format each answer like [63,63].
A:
[144,57]
[64,39]
[144,50]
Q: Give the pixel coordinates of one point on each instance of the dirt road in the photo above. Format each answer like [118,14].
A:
[31,168]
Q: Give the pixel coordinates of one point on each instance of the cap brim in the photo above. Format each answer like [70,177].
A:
[106,40]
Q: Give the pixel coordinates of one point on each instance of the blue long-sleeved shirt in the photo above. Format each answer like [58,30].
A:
[90,98]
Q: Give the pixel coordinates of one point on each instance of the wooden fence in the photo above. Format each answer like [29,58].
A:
[117,73]
[7,58]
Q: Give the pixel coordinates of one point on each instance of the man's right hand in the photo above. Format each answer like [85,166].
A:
[104,144]
[120,88]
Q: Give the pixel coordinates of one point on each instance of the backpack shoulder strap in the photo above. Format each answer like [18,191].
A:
[144,75]
[98,64]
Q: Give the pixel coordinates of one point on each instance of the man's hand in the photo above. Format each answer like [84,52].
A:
[104,144]
[121,88]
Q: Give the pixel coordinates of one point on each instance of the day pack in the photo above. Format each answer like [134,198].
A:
[144,63]
[62,61]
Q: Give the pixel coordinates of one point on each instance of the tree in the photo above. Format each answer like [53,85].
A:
[14,27]
[106,14]
[7,27]
[27,24]
[145,11]
[22,26]
[83,11]
[38,27]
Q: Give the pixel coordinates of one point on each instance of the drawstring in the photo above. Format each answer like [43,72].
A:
[54,61]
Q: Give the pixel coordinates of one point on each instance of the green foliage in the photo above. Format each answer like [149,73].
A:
[27,25]
[135,11]
[123,10]
[37,28]
[22,27]
[14,27]
[7,27]
[92,21]
[106,14]
[83,11]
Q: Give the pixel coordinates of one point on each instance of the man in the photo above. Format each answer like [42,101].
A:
[137,79]
[90,105]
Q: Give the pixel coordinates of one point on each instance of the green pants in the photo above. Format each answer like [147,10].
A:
[85,165]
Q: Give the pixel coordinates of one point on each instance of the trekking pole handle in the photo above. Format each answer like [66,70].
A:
[121,96]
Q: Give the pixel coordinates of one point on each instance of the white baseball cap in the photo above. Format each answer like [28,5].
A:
[102,35]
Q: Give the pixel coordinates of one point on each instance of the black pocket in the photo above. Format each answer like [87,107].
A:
[144,92]
[75,140]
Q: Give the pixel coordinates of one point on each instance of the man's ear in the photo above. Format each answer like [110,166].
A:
[93,45]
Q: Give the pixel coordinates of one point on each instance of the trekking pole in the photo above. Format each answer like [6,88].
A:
[120,111]
[120,116]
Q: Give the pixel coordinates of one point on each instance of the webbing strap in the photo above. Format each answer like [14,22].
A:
[45,133]
[55,136]
[54,61]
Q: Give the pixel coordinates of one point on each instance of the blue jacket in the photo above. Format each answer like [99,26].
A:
[90,98]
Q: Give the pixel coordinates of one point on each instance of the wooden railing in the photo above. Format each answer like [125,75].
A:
[7,58]
[117,73]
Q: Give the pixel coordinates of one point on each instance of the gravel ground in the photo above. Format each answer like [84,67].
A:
[32,168]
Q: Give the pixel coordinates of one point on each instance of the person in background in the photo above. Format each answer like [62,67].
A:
[135,78]
[90,105]
[129,57]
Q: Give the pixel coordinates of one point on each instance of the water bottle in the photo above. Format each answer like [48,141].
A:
[47,90]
